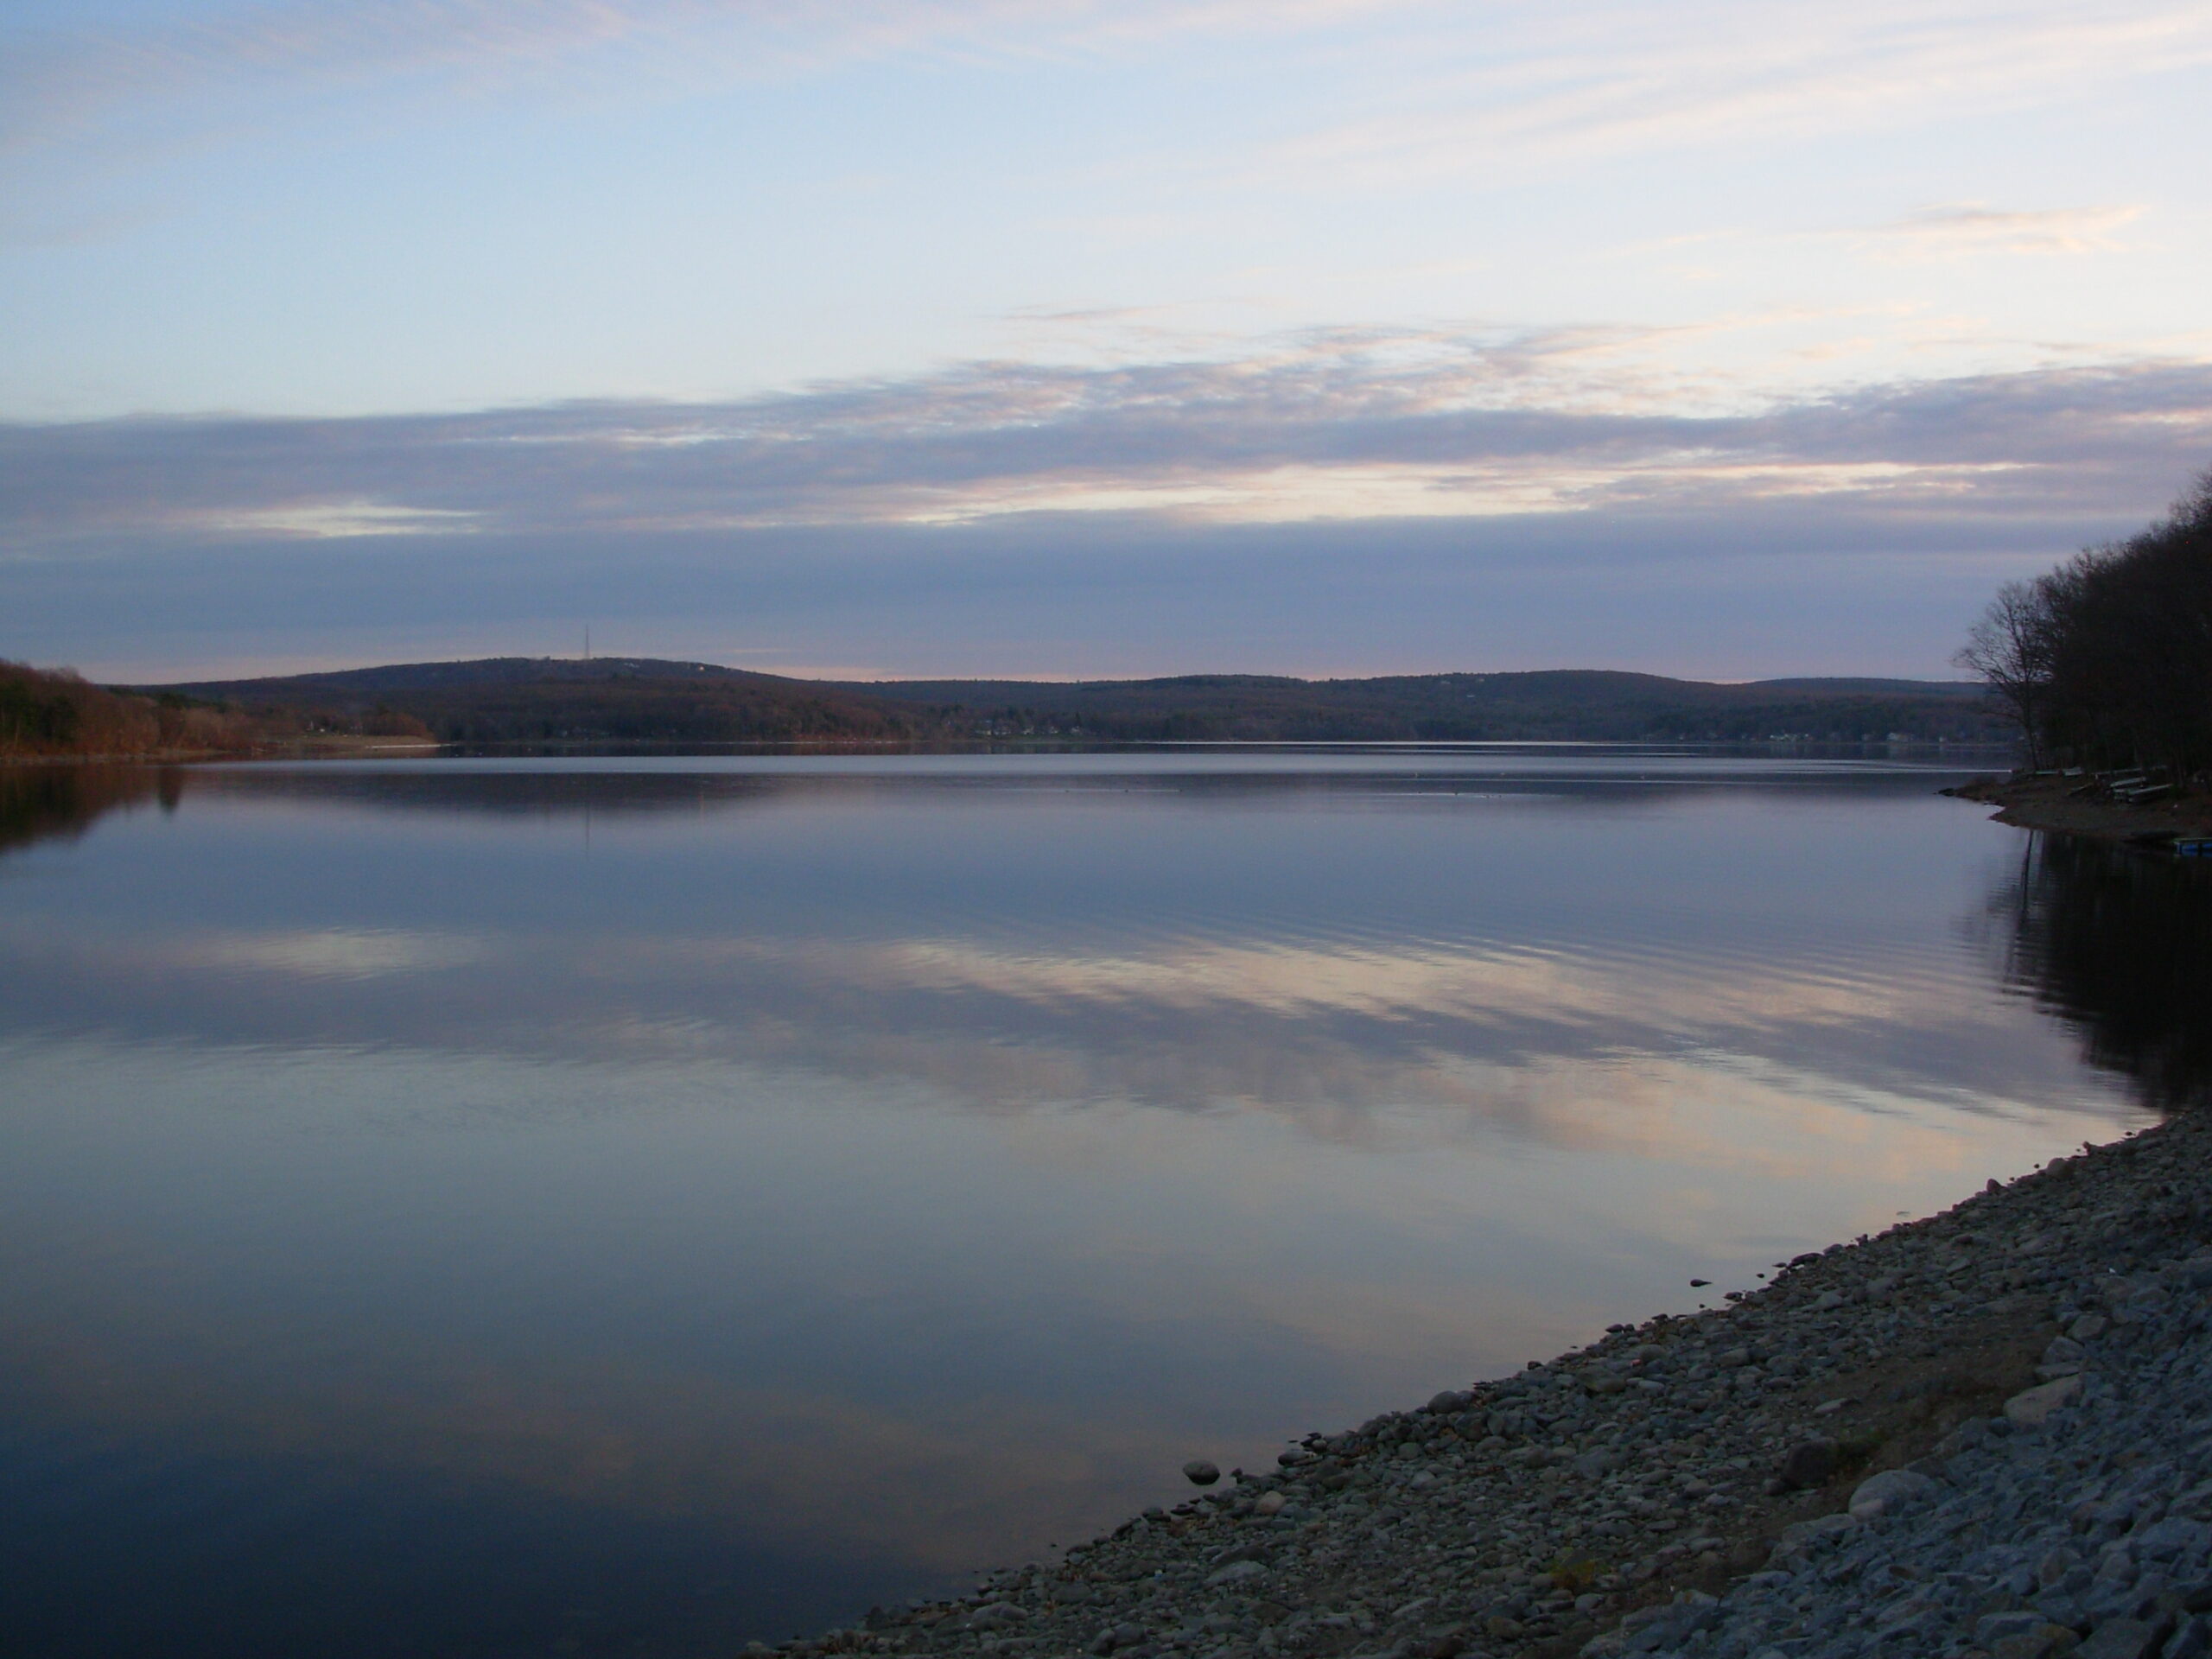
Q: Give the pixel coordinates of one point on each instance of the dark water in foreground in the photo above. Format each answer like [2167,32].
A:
[630,1207]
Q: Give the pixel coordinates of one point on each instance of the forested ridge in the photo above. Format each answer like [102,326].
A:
[1569,705]
[2106,662]
[497,701]
[592,700]
[545,700]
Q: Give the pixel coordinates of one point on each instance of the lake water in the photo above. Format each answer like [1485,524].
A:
[632,1206]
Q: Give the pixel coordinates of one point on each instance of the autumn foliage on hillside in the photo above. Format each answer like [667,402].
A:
[57,714]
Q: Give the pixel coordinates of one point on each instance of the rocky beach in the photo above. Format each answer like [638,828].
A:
[1986,1433]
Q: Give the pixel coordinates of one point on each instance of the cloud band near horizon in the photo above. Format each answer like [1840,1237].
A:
[1337,501]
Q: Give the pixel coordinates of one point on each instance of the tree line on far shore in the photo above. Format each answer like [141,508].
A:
[2106,662]
[45,712]
[544,700]
[52,713]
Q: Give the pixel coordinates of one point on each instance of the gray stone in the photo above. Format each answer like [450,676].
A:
[1809,1463]
[2054,1565]
[1801,1534]
[1891,1491]
[2120,1638]
[2036,1405]
[1993,1629]
[2176,1535]
[1200,1472]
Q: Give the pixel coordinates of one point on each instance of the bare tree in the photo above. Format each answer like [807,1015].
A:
[2010,650]
[2106,660]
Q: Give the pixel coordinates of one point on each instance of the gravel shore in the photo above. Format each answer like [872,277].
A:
[1985,1434]
[2054,804]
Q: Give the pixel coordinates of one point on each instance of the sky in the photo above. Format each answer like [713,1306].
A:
[874,338]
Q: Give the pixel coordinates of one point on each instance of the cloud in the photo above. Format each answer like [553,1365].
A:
[64,83]
[1587,86]
[1947,232]
[1342,501]
[1338,424]
[1973,228]
[1423,93]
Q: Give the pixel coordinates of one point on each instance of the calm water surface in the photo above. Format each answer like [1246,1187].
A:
[632,1206]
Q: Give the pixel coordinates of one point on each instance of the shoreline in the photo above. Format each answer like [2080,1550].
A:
[330,746]
[1672,1477]
[2052,804]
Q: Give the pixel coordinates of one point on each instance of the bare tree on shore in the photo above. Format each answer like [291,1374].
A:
[2107,659]
[2010,650]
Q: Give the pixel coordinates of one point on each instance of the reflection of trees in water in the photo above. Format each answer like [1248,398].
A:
[2118,944]
[41,802]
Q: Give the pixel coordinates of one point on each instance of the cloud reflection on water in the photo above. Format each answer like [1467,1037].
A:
[1080,986]
[1314,1030]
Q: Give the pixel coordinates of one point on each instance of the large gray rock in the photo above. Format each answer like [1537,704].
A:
[1809,1463]
[1989,1631]
[2045,1641]
[1891,1491]
[2176,1535]
[2120,1638]
[2035,1406]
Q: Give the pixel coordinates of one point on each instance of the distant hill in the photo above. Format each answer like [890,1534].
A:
[555,699]
[520,699]
[1567,704]
[488,671]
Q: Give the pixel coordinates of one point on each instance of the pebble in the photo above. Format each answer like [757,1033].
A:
[1586,1505]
